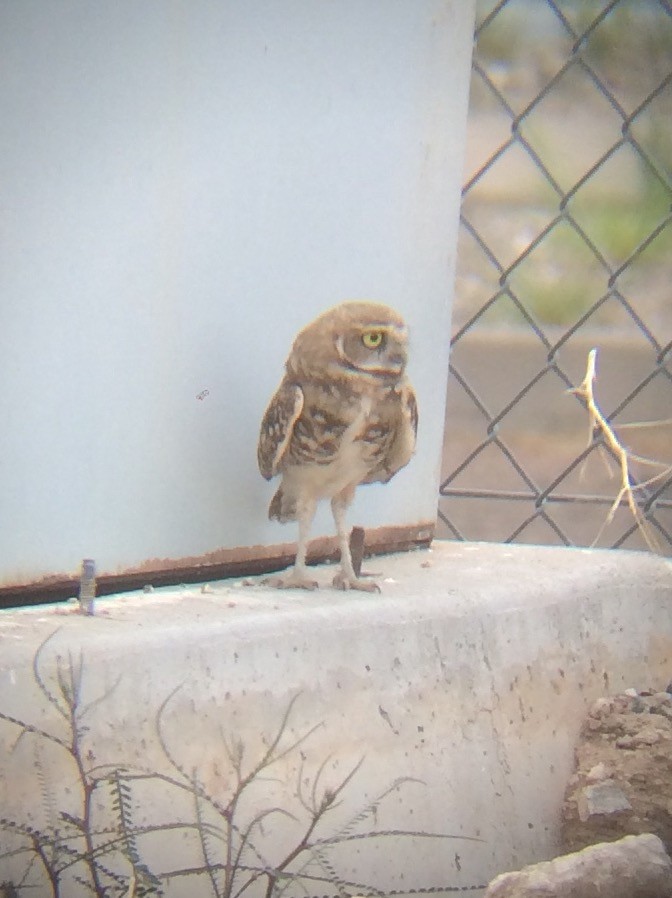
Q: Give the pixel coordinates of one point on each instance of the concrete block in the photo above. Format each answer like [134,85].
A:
[471,673]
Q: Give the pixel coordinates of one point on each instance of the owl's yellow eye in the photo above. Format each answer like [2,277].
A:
[372,339]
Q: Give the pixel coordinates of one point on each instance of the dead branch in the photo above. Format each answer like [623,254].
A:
[599,425]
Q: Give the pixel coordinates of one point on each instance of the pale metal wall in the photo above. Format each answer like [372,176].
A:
[184,185]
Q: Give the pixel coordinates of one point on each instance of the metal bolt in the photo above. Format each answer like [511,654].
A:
[87,586]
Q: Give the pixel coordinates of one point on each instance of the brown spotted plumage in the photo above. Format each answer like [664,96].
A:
[344,414]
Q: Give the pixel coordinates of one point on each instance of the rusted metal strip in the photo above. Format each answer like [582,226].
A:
[218,565]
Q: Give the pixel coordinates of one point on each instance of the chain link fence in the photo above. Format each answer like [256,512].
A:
[565,246]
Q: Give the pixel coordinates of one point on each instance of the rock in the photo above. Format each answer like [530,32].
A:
[648,735]
[601,706]
[634,867]
[602,798]
[661,698]
[598,773]
[661,703]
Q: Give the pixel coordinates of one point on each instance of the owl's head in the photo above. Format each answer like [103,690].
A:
[364,337]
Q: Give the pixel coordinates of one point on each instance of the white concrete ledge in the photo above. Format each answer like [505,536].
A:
[471,671]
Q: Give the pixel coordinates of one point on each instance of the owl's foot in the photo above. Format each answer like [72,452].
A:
[292,580]
[343,581]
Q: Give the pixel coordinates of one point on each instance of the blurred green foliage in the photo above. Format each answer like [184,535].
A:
[629,48]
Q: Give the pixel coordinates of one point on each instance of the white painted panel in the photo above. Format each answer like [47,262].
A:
[183,186]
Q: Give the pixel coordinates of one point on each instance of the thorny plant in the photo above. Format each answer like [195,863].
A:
[630,491]
[75,844]
[97,845]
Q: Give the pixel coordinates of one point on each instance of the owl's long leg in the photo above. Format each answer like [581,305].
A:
[298,577]
[346,578]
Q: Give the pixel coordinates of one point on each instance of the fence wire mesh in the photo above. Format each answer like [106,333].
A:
[565,245]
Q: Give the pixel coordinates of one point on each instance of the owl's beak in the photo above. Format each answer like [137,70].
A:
[397,361]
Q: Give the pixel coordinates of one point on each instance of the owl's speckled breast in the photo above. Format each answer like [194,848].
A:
[333,447]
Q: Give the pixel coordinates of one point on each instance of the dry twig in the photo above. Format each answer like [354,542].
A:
[599,425]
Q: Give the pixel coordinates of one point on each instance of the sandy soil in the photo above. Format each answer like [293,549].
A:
[624,753]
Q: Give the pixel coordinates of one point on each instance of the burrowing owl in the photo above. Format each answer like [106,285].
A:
[344,414]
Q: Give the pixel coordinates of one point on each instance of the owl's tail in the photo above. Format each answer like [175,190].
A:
[282,507]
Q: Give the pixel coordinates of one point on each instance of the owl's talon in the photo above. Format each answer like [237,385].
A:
[341,581]
[290,581]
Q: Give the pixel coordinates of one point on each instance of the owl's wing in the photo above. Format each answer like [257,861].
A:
[277,427]
[401,446]
[407,432]
[411,410]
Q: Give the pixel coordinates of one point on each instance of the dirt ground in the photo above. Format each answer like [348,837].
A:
[623,780]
